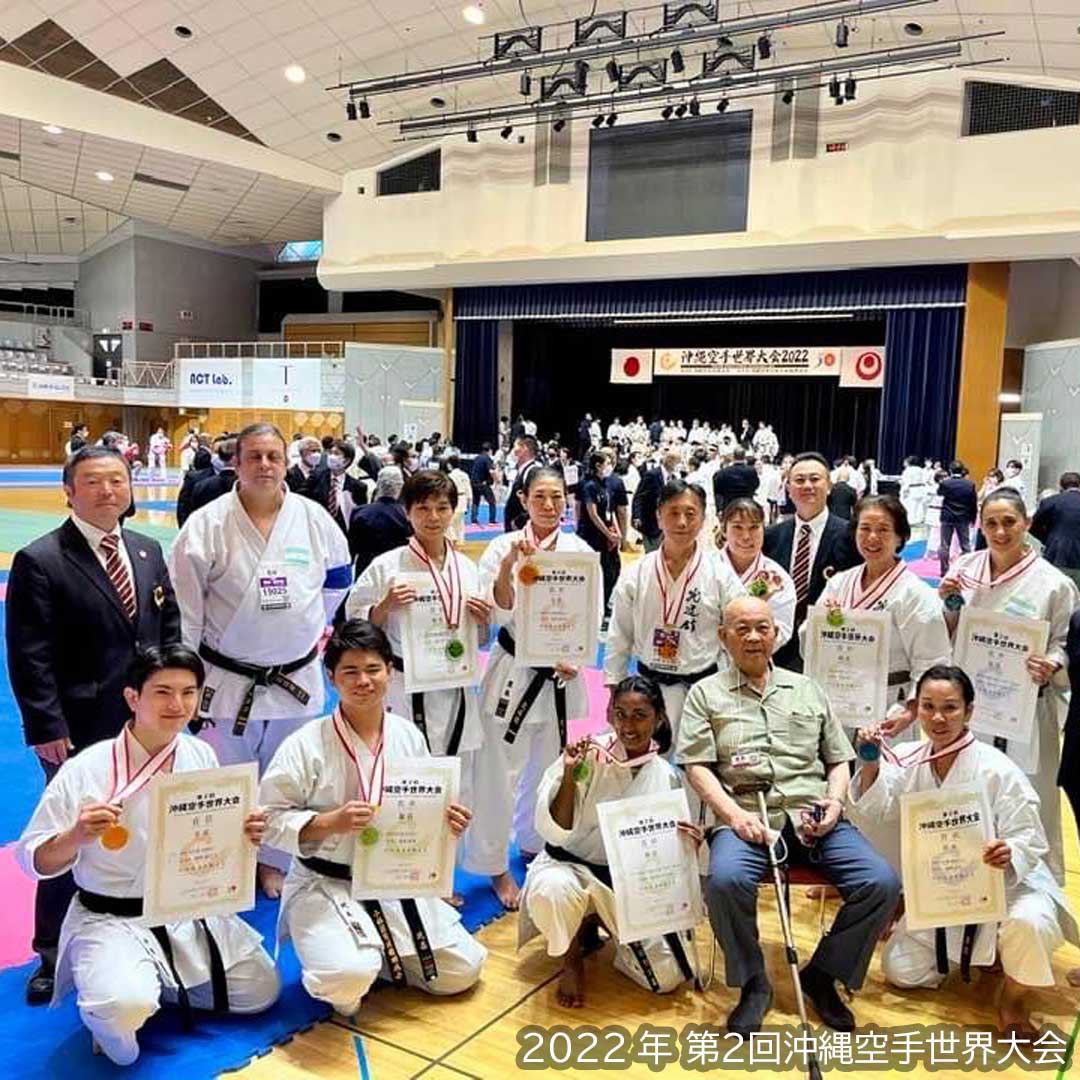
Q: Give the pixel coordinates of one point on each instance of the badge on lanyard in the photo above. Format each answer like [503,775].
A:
[745,759]
[273,590]
[665,641]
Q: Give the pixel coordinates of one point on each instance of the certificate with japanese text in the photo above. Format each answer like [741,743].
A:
[847,655]
[408,849]
[654,868]
[435,656]
[993,650]
[198,861]
[556,610]
[946,882]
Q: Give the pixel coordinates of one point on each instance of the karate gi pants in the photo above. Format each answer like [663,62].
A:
[259,743]
[52,898]
[845,858]
[119,987]
[1026,942]
[339,969]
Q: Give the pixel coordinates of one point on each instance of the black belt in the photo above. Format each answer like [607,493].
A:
[419,715]
[421,942]
[532,692]
[941,951]
[131,907]
[899,678]
[675,678]
[275,675]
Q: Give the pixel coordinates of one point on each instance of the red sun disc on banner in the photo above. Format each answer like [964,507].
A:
[868,366]
[631,367]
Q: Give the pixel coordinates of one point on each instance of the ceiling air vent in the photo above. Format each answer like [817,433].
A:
[156,181]
[410,177]
[991,108]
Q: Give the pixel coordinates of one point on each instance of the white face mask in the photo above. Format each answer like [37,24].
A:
[336,463]
[311,458]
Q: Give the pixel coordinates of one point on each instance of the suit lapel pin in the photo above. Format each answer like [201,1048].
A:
[142,554]
[828,572]
[159,596]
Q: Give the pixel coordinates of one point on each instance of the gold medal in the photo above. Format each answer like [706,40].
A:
[529,574]
[115,837]
[835,617]
[369,836]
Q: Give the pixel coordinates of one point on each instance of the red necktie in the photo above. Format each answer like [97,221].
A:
[800,570]
[119,574]
[332,498]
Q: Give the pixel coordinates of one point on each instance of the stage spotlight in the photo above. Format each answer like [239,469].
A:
[612,69]
[842,33]
[611,118]
[525,85]
[680,109]
[471,135]
[678,64]
[834,88]
[350,110]
[695,107]
[722,104]
[787,97]
[666,112]
[365,111]
[764,47]
[598,121]
[559,124]
[849,88]
[507,131]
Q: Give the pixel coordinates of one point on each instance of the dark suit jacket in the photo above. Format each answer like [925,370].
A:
[295,479]
[1069,773]
[192,479]
[380,526]
[734,481]
[318,490]
[212,487]
[959,500]
[514,515]
[646,501]
[836,552]
[69,640]
[1057,525]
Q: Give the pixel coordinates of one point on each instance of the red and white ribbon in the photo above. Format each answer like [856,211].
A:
[672,610]
[856,598]
[751,571]
[548,544]
[126,783]
[979,575]
[607,752]
[447,582]
[372,791]
[922,755]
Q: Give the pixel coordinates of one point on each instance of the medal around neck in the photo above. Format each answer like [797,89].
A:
[455,648]
[369,836]
[869,752]
[759,587]
[835,617]
[115,837]
[582,772]
[529,574]
[954,601]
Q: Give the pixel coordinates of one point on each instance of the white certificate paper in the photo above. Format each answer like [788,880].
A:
[946,882]
[851,663]
[198,861]
[993,650]
[654,869]
[557,616]
[413,852]
[425,638]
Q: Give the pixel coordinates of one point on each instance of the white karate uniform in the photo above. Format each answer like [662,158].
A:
[340,951]
[914,493]
[222,570]
[781,604]
[637,613]
[157,450]
[558,895]
[1038,917]
[537,742]
[115,963]
[1041,592]
[440,706]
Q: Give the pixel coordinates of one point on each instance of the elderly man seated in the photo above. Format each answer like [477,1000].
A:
[754,726]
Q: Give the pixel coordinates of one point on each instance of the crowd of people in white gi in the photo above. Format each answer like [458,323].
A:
[705,691]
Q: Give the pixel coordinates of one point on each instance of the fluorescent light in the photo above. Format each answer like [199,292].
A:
[1009,399]
[473,14]
[104,177]
[295,73]
[52,129]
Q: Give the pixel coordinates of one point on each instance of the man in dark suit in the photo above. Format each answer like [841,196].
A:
[643,510]
[1057,526]
[221,478]
[201,469]
[481,477]
[812,546]
[296,477]
[332,487]
[81,600]
[382,525]
[959,508]
[527,453]
[735,481]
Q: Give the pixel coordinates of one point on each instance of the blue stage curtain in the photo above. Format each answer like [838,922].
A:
[476,384]
[922,385]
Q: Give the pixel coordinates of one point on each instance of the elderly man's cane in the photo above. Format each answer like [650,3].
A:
[759,788]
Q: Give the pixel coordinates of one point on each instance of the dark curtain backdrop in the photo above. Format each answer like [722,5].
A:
[922,385]
[476,383]
[562,371]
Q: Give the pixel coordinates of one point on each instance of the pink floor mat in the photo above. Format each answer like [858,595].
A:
[17,924]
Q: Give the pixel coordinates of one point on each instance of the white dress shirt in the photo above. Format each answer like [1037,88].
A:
[94,536]
[817,527]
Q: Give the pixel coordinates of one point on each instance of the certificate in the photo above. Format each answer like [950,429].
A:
[435,657]
[946,882]
[849,660]
[557,611]
[654,870]
[198,861]
[993,650]
[408,850]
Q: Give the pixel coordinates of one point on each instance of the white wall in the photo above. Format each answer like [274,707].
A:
[106,286]
[1052,387]
[1044,302]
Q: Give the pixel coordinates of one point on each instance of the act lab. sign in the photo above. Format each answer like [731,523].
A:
[211,382]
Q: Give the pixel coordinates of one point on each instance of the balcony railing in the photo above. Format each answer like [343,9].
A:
[150,376]
[17,311]
[258,350]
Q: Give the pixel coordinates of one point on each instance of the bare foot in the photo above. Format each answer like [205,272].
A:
[271,880]
[457,900]
[1072,977]
[570,992]
[1013,1014]
[506,889]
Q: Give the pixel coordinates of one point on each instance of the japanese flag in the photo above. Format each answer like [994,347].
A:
[862,368]
[631,365]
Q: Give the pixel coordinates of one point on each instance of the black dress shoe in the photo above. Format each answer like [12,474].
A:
[754,1002]
[39,989]
[820,988]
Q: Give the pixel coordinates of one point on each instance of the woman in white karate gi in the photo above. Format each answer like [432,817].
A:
[1011,578]
[918,636]
[567,889]
[157,455]
[913,490]
[667,607]
[742,529]
[258,575]
[525,711]
[1038,917]
[449,720]
[93,819]
[322,789]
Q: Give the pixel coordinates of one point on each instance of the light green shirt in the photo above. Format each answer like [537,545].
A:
[785,736]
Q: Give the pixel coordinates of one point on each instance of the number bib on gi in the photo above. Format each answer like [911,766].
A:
[273,589]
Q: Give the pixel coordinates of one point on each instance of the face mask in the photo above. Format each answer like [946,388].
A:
[311,459]
[216,463]
[336,463]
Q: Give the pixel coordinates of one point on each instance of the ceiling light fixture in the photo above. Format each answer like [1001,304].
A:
[678,64]
[333,136]
[695,107]
[438,103]
[680,109]
[849,88]
[365,110]
[474,14]
[722,104]
[913,29]
[506,131]
[842,33]
[764,47]
[834,89]
[471,135]
[105,177]
[559,124]
[295,73]
[183,32]
[350,110]
[787,97]
[598,121]
[525,84]
[666,111]
[52,129]
[612,69]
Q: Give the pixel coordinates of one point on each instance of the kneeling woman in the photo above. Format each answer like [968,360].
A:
[568,887]
[321,788]
[1038,917]
[93,819]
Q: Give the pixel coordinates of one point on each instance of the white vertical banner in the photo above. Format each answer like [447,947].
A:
[1020,438]
[286,383]
[215,382]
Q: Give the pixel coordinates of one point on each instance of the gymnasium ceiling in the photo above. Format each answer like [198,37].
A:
[228,78]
